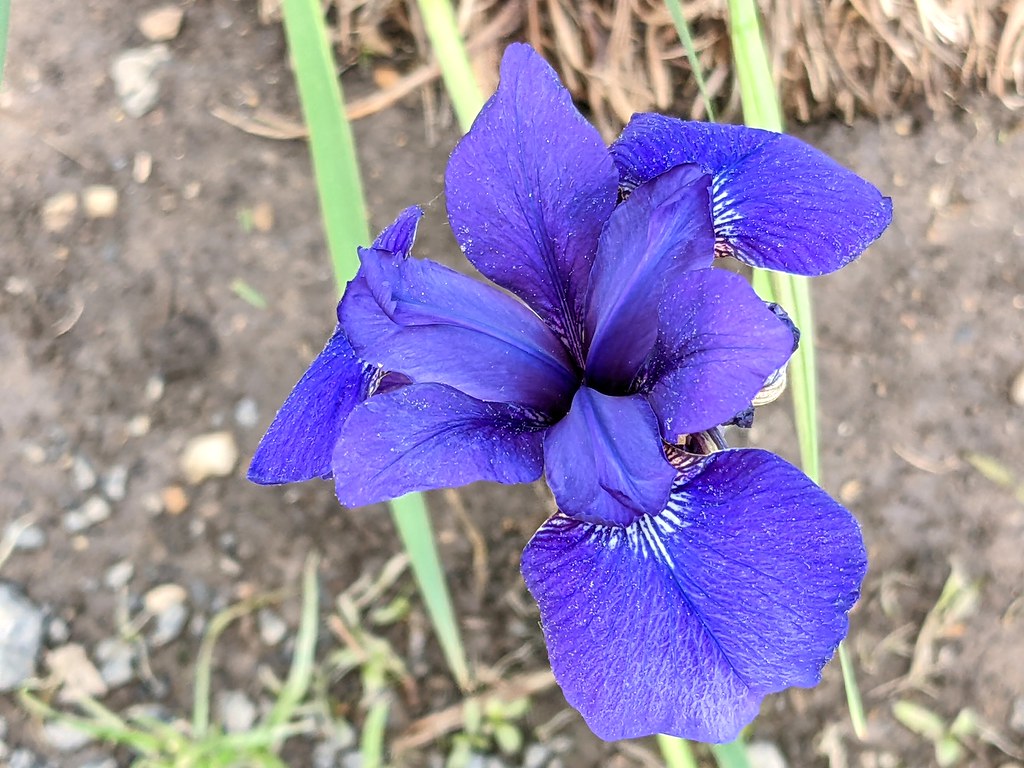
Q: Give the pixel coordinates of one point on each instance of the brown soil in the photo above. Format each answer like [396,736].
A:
[918,345]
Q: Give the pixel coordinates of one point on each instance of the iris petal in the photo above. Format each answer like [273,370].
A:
[719,343]
[528,190]
[398,237]
[426,436]
[604,460]
[682,622]
[661,230]
[300,440]
[777,202]
[436,325]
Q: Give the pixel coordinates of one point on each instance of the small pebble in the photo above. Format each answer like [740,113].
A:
[21,635]
[115,482]
[134,76]
[63,737]
[263,217]
[118,575]
[850,491]
[1017,715]
[95,510]
[59,211]
[139,425]
[154,388]
[57,631]
[78,676]
[210,455]
[142,167]
[536,756]
[33,453]
[99,201]
[272,627]
[161,597]
[23,758]
[161,24]
[167,604]
[169,625]
[247,413]
[1017,389]
[25,538]
[82,474]
[236,710]
[116,658]
[764,754]
[174,500]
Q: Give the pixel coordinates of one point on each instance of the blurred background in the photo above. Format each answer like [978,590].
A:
[164,282]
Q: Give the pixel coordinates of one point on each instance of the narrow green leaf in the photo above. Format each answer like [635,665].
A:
[5,18]
[344,211]
[439,21]
[248,294]
[413,523]
[204,659]
[757,89]
[761,109]
[683,30]
[330,136]
[676,752]
[300,674]
[920,720]
[731,755]
[371,741]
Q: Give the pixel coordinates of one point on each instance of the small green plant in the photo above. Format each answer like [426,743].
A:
[177,743]
[946,738]
[487,726]
[368,654]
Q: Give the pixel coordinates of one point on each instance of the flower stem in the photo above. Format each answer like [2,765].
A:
[761,110]
[343,206]
[446,42]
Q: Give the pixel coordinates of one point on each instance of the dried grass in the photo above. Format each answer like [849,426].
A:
[830,57]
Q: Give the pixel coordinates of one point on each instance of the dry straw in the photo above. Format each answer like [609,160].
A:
[830,57]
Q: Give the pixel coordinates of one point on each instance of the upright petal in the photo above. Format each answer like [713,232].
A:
[777,202]
[529,188]
[436,325]
[662,230]
[397,238]
[681,622]
[426,436]
[719,343]
[604,460]
[299,443]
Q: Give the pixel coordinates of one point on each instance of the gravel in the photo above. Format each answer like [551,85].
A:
[134,75]
[21,634]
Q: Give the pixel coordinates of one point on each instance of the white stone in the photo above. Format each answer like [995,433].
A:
[161,24]
[100,201]
[211,455]
[134,76]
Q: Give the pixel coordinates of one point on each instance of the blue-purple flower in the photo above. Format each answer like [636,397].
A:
[674,595]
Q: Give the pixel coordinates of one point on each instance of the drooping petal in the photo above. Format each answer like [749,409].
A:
[398,237]
[777,202]
[604,460]
[661,230]
[299,443]
[719,343]
[528,190]
[426,436]
[436,325]
[682,622]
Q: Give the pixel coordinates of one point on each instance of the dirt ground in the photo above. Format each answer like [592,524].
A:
[124,337]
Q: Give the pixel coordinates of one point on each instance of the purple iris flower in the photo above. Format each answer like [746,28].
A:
[674,595]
